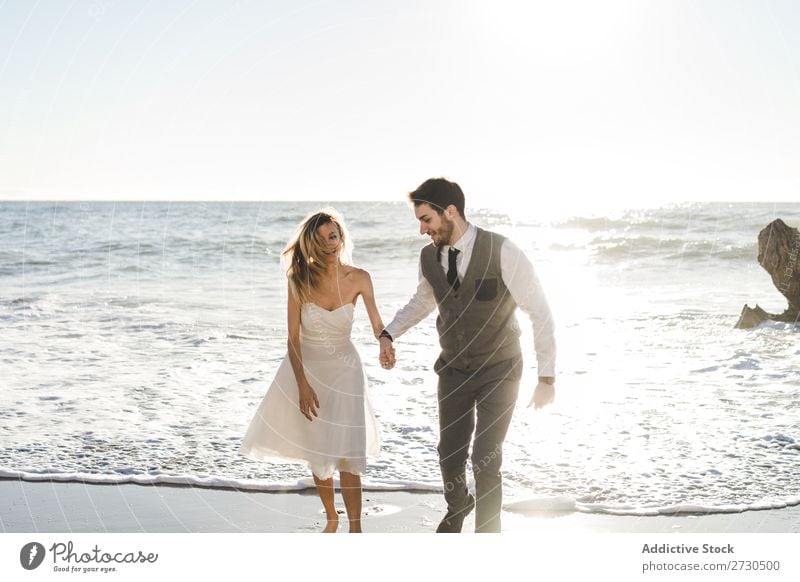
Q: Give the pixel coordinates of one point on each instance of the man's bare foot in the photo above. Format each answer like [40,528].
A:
[333,525]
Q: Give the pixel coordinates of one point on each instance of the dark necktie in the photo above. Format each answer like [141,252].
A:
[452,270]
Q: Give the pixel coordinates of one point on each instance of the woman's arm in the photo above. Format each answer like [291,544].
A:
[308,398]
[368,293]
[365,289]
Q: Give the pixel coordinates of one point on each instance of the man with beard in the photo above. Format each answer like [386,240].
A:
[477,279]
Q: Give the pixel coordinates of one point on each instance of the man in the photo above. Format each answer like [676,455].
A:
[477,279]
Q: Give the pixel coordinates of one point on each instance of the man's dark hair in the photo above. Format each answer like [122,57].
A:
[440,194]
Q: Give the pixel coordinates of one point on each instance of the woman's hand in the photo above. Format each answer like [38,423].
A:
[387,354]
[309,403]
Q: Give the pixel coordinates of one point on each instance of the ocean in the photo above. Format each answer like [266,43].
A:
[139,337]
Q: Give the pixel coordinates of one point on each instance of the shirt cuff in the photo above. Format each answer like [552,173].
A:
[393,331]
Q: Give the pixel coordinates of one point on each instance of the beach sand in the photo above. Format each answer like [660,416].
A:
[52,507]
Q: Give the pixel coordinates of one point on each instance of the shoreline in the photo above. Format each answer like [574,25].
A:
[52,506]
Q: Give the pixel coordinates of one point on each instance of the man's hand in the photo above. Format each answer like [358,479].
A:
[387,353]
[542,396]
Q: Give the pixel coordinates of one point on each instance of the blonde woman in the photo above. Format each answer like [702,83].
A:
[317,409]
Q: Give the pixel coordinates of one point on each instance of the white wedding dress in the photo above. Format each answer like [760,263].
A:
[345,432]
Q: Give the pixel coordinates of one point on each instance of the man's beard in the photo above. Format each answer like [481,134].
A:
[445,231]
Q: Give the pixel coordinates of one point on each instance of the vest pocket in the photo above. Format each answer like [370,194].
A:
[485,289]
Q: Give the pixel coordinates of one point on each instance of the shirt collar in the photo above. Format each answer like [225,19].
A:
[466,238]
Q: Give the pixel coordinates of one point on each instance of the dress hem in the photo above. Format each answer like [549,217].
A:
[322,470]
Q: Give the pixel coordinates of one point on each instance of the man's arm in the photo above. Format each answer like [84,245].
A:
[523,284]
[420,306]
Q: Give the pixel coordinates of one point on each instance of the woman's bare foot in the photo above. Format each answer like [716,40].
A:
[333,525]
[355,527]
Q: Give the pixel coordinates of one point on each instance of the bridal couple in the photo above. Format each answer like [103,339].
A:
[317,409]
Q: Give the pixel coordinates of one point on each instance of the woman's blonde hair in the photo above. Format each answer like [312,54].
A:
[304,258]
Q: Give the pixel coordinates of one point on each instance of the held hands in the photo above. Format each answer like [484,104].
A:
[543,395]
[309,403]
[387,353]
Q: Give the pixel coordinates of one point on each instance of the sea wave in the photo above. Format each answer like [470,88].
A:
[566,504]
[540,504]
[124,477]
[621,247]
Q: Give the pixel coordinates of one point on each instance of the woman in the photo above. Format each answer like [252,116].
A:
[317,409]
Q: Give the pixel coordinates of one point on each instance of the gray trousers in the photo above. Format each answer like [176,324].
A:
[481,401]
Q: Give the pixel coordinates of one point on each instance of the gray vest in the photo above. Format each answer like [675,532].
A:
[477,324]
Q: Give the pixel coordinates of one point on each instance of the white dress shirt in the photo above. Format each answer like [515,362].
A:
[518,275]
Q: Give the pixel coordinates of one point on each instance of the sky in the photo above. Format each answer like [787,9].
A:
[552,103]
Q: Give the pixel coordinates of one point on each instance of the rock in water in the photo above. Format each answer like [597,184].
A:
[779,254]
